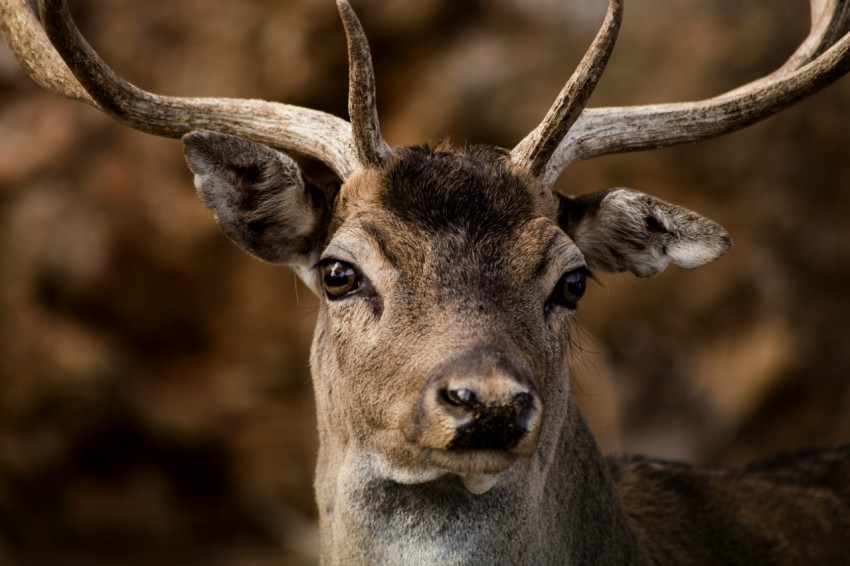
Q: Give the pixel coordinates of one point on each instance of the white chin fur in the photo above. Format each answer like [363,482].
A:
[479,483]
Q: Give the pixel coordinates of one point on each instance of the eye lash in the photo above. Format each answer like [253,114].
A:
[322,262]
[585,271]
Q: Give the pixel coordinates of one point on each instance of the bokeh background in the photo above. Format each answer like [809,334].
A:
[155,399]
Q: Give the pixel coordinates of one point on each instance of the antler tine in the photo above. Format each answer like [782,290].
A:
[535,151]
[823,57]
[362,109]
[830,20]
[286,127]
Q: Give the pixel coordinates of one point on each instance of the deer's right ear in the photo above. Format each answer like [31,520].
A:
[625,230]
[259,196]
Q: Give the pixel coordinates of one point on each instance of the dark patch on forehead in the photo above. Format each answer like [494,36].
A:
[472,192]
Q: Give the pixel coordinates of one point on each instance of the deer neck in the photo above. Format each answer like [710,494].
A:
[558,507]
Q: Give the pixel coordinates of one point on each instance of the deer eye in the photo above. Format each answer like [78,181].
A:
[570,288]
[339,278]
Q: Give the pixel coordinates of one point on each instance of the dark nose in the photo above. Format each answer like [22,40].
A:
[492,413]
[479,399]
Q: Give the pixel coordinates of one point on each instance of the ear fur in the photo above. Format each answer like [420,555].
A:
[259,196]
[625,230]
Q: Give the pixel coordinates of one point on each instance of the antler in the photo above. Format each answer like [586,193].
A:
[536,150]
[821,58]
[85,77]
[371,147]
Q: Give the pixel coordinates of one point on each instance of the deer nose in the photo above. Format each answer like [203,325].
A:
[492,415]
[479,399]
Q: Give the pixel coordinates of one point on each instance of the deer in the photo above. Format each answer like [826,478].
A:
[448,279]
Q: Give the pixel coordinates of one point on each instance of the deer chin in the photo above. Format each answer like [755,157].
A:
[478,470]
[479,484]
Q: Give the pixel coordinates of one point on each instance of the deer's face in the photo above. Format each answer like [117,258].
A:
[448,283]
[447,292]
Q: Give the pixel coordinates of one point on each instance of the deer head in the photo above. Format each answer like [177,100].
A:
[448,277]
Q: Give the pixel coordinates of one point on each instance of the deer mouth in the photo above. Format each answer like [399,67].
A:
[477,470]
[470,462]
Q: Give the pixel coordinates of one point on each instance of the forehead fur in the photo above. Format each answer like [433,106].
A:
[476,191]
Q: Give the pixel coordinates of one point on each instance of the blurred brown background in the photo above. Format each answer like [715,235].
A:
[155,400]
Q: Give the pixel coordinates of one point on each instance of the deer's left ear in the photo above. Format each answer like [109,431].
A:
[259,196]
[625,230]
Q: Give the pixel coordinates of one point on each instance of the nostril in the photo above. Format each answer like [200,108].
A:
[461,398]
[522,401]
[496,425]
[523,404]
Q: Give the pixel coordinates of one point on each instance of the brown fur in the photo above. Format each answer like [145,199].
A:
[792,509]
